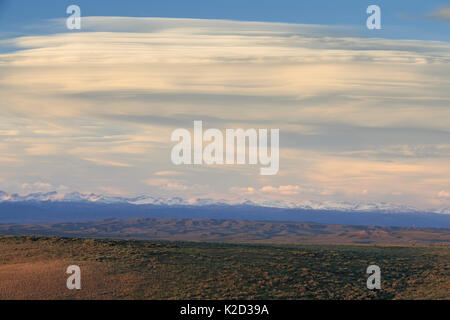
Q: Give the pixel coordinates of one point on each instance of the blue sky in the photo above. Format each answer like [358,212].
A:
[363,114]
[400,19]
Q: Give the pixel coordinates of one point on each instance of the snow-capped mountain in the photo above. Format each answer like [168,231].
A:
[334,206]
[54,196]
[442,210]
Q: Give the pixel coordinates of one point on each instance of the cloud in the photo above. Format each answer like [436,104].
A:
[36,186]
[42,149]
[112,190]
[442,13]
[105,162]
[318,79]
[285,190]
[444,194]
[167,173]
[404,151]
[354,113]
[248,190]
[9,159]
[167,184]
[279,190]
[153,25]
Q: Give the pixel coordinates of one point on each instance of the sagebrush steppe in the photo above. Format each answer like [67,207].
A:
[34,268]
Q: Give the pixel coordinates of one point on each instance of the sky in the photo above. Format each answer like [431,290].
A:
[363,114]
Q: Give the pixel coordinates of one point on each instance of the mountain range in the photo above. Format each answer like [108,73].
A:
[344,206]
[54,207]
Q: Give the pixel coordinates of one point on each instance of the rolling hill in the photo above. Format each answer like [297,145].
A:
[214,230]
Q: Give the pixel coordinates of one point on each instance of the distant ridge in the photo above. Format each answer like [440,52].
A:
[215,230]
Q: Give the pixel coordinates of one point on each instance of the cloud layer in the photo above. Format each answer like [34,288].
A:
[359,118]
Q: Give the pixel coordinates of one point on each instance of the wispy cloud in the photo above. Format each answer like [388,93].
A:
[444,194]
[441,13]
[167,173]
[104,162]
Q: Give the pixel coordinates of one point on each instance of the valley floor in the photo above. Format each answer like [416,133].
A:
[34,268]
